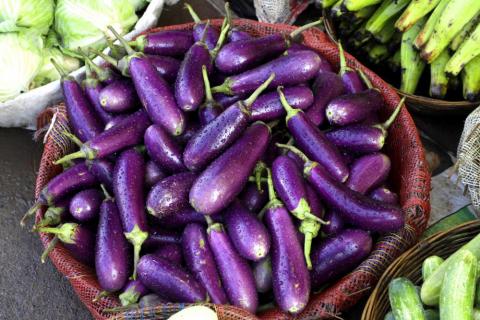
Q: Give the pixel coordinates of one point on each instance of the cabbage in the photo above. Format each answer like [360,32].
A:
[83,23]
[139,4]
[20,58]
[18,14]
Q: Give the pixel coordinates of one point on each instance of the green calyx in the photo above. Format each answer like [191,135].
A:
[139,43]
[291,112]
[124,43]
[251,99]
[85,152]
[30,213]
[218,227]
[136,237]
[50,218]
[310,229]
[129,297]
[65,232]
[221,39]
[225,87]
[303,211]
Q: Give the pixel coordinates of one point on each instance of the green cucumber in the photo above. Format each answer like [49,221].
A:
[404,300]
[430,265]
[458,288]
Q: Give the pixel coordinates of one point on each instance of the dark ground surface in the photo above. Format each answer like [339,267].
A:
[30,290]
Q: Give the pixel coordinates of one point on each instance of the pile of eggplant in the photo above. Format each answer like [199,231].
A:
[269,181]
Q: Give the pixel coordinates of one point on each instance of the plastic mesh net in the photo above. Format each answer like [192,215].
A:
[410,178]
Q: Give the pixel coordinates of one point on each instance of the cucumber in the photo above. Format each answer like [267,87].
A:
[430,265]
[389,316]
[404,300]
[458,288]
[431,314]
[431,287]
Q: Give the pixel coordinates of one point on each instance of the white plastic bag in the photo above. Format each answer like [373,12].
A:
[279,11]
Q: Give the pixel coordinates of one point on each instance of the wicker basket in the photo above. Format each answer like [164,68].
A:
[409,264]
[410,179]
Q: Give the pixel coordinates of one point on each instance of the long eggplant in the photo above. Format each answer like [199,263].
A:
[164,43]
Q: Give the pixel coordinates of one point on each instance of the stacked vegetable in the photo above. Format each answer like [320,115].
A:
[32,32]
[450,289]
[442,36]
[216,190]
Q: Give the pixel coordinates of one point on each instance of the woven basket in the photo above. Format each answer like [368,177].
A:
[410,179]
[409,264]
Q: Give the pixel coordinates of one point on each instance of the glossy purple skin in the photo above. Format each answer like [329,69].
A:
[211,37]
[327,86]
[156,96]
[112,258]
[92,91]
[208,112]
[168,43]
[167,67]
[193,126]
[313,142]
[82,118]
[369,172]
[352,82]
[119,97]
[297,47]
[163,149]
[225,177]
[212,139]
[85,205]
[253,199]
[355,208]
[239,56]
[237,277]
[128,182]
[291,280]
[153,173]
[336,223]
[137,287]
[189,87]
[169,280]
[158,236]
[83,248]
[316,205]
[171,252]
[295,158]
[383,194]
[354,107]
[237,35]
[334,257]
[73,179]
[115,120]
[225,100]
[170,195]
[262,271]
[267,107]
[248,234]
[200,261]
[127,133]
[295,68]
[181,218]
[357,138]
[102,169]
[288,182]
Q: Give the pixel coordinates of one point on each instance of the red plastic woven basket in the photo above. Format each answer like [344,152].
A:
[410,178]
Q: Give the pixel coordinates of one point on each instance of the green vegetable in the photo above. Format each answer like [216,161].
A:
[412,64]
[430,265]
[20,60]
[404,300]
[17,15]
[431,314]
[83,23]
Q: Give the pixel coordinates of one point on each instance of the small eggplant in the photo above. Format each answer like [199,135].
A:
[262,271]
[210,109]
[133,291]
[115,120]
[153,174]
[225,100]
[163,149]
[167,67]
[316,206]
[164,43]
[350,78]
[252,198]
[119,96]
[335,224]
[85,205]
[211,34]
[368,172]
[171,252]
[383,194]
[181,218]
[158,237]
[170,195]
[234,34]
[93,87]
[102,169]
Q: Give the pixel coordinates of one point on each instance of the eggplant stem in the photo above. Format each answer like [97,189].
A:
[258,171]
[272,124]
[30,213]
[192,12]
[365,79]
[343,63]
[394,115]
[228,13]
[307,246]
[136,237]
[223,88]
[295,151]
[301,29]
[206,82]
[291,112]
[124,42]
[250,100]
[59,68]
[253,179]
[105,192]
[106,57]
[97,69]
[221,39]
[101,295]
[271,190]
[204,33]
[75,155]
[49,249]
[209,220]
[73,138]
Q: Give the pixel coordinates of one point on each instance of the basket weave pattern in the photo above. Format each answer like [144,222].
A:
[410,178]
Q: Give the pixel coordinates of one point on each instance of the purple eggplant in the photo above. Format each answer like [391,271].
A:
[368,172]
[212,139]
[316,206]
[105,74]
[158,237]
[119,96]
[115,120]
[191,129]
[164,43]
[128,183]
[335,224]
[239,56]
[354,207]
[93,87]
[153,173]
[333,257]
[211,34]
[225,177]
[350,78]
[127,133]
[252,198]
[360,138]
[210,109]
[112,263]
[181,218]
[293,69]
[133,291]
[262,271]
[248,234]
[163,149]
[313,142]
[85,205]
[167,67]
[268,107]
[171,252]
[234,34]
[67,182]
[383,194]
[170,195]
[200,261]
[225,100]
[77,239]
[235,273]
[82,118]
[327,86]
[169,280]
[290,277]
[55,214]
[297,47]
[102,169]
